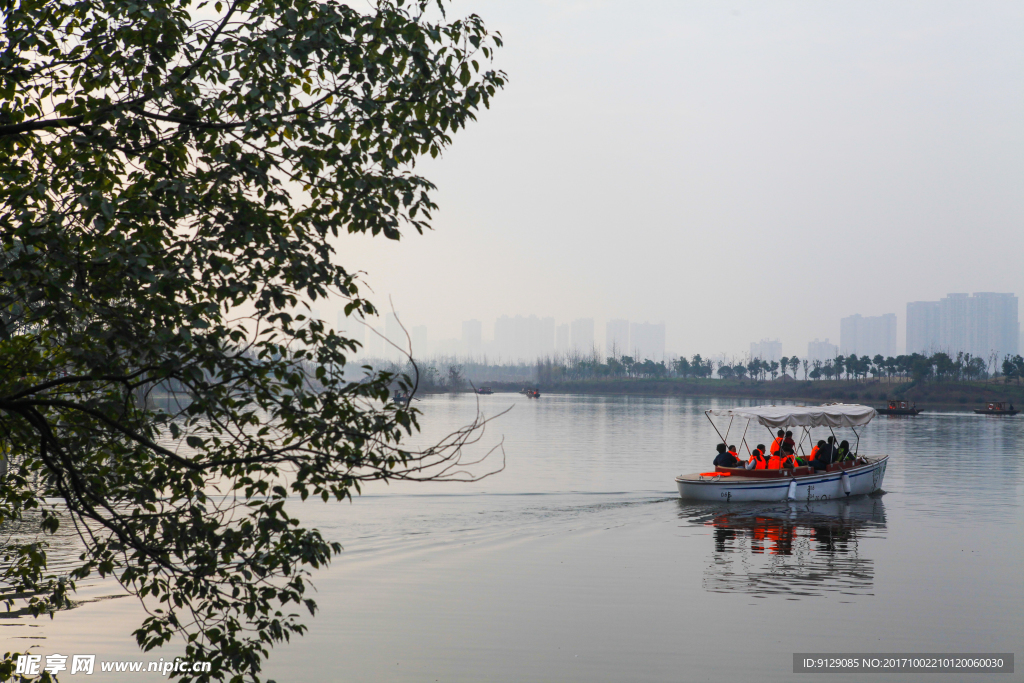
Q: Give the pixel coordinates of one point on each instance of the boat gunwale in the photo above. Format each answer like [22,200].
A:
[740,480]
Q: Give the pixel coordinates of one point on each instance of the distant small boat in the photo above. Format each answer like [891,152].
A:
[532,393]
[485,391]
[899,408]
[997,408]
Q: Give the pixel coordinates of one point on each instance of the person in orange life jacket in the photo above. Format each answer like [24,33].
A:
[777,444]
[809,460]
[747,464]
[758,457]
[826,454]
[725,458]
[786,459]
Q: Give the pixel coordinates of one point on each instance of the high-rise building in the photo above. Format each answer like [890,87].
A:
[647,341]
[923,325]
[562,338]
[351,327]
[821,350]
[766,350]
[374,343]
[995,328]
[396,337]
[419,341]
[955,323]
[524,339]
[582,334]
[984,324]
[616,338]
[869,336]
[473,337]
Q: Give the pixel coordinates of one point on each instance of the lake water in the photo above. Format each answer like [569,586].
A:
[578,562]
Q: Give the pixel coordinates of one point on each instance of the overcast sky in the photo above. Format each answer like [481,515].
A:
[737,170]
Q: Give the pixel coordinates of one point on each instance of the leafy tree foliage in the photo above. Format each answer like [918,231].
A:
[174,177]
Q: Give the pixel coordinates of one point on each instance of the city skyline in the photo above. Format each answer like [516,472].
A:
[525,337]
[782,185]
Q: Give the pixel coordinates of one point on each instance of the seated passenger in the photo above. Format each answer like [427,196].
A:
[777,444]
[814,451]
[788,441]
[786,459]
[844,451]
[725,458]
[825,456]
[758,457]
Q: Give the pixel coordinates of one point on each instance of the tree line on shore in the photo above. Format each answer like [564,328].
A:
[937,367]
[453,373]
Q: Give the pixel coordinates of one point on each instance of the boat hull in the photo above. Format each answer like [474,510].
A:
[1008,413]
[862,479]
[898,411]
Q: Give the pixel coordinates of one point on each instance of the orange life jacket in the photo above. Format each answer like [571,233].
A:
[777,462]
[760,462]
[814,453]
[776,446]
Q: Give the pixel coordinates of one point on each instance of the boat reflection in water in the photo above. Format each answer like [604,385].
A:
[797,550]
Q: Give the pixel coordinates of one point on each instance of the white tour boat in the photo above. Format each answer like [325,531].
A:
[855,476]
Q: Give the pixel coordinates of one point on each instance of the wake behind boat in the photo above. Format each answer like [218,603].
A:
[857,475]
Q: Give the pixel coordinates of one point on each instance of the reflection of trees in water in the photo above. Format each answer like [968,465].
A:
[789,549]
[62,549]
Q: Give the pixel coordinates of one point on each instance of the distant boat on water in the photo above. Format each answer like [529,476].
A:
[485,391]
[997,408]
[899,408]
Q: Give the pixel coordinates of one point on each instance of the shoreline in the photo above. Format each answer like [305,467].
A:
[875,392]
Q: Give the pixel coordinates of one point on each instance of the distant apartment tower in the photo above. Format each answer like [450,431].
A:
[923,325]
[616,338]
[995,328]
[821,350]
[419,341]
[374,343]
[868,336]
[647,341]
[524,339]
[472,337]
[351,327]
[396,336]
[766,349]
[562,338]
[582,334]
[983,324]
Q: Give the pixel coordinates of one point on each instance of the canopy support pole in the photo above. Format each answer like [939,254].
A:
[744,441]
[728,429]
[856,449]
[800,444]
[707,414]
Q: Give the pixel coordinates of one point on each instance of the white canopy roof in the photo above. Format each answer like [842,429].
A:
[837,415]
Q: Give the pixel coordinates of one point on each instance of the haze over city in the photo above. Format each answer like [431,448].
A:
[737,171]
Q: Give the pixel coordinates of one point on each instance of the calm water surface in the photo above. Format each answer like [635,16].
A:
[579,563]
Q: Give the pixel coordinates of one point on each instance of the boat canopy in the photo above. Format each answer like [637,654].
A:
[836,415]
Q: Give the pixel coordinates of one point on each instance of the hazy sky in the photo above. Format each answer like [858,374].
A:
[737,170]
